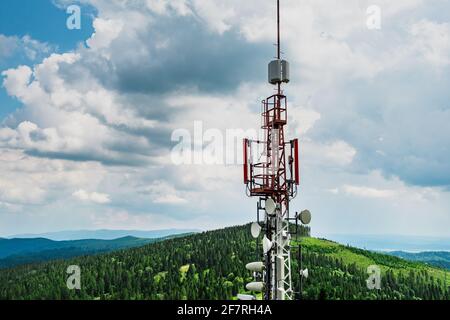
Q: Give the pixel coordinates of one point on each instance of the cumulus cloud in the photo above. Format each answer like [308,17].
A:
[106,31]
[70,122]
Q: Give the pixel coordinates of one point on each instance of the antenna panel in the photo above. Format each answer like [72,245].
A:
[275,75]
[246,297]
[285,71]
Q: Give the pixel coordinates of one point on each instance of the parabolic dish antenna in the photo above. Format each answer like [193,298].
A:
[267,244]
[270,206]
[304,273]
[255,229]
[305,217]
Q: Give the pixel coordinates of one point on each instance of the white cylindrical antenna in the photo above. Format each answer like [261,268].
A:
[246,297]
[255,286]
[255,266]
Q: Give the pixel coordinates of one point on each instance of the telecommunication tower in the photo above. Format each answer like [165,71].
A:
[273,176]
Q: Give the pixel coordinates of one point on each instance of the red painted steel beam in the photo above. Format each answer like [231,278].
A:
[245,161]
[296,162]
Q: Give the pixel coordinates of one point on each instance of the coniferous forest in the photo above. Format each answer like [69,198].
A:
[211,266]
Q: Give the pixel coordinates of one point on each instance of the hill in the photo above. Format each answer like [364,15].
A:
[401,279]
[435,258]
[15,252]
[210,266]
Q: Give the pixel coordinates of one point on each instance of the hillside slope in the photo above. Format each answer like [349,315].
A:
[9,247]
[346,265]
[435,258]
[210,266]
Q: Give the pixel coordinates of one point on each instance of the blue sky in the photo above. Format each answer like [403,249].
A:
[43,21]
[87,116]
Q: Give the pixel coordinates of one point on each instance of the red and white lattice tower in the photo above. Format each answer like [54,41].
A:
[271,173]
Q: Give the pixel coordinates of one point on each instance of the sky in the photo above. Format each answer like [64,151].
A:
[89,116]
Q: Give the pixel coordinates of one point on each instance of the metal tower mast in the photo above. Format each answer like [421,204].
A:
[273,176]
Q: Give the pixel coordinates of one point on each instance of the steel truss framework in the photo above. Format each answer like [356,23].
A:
[275,176]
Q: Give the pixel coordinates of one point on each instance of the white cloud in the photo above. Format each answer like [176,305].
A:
[163,7]
[31,181]
[7,46]
[337,153]
[72,121]
[367,192]
[216,13]
[162,192]
[16,80]
[16,192]
[340,152]
[28,47]
[95,197]
[302,119]
[34,49]
[432,40]
[106,31]
[391,189]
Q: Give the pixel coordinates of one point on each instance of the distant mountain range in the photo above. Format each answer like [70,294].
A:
[438,259]
[18,251]
[392,242]
[104,234]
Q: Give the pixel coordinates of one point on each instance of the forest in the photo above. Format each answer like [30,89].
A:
[211,266]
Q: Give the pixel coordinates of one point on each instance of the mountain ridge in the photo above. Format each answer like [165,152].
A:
[19,251]
[102,234]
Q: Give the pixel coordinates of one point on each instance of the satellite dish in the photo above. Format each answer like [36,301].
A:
[304,273]
[270,206]
[255,286]
[246,297]
[267,244]
[255,266]
[255,229]
[305,217]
